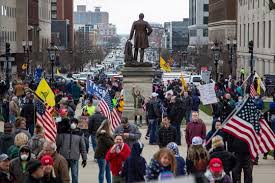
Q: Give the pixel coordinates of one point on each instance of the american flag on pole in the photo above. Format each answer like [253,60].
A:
[253,92]
[109,112]
[45,119]
[248,125]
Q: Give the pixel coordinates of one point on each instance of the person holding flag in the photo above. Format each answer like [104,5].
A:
[164,65]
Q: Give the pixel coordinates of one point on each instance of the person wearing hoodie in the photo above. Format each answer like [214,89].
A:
[19,140]
[18,166]
[6,139]
[180,171]
[37,141]
[216,125]
[104,143]
[134,168]
[215,172]
[218,151]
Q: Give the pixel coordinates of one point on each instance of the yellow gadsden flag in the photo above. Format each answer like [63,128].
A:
[45,93]
[164,65]
[183,83]
[57,72]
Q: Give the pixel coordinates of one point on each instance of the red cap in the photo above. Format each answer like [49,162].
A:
[46,160]
[215,165]
[63,111]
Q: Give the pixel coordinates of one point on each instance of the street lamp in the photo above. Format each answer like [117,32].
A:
[27,46]
[231,46]
[216,55]
[52,52]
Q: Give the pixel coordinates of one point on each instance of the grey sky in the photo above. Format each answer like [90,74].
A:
[122,13]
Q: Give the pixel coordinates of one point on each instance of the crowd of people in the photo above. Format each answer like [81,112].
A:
[171,113]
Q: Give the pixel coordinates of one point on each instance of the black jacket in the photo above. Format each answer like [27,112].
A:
[95,122]
[29,179]
[166,135]
[153,109]
[6,140]
[228,160]
[28,113]
[187,103]
[51,179]
[104,143]
[4,178]
[177,112]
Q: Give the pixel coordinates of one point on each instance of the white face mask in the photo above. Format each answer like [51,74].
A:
[73,126]
[24,157]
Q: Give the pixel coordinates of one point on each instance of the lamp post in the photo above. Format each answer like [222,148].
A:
[52,52]
[231,46]
[216,55]
[27,46]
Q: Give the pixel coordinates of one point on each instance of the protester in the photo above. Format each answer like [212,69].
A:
[135,166]
[19,140]
[216,125]
[18,166]
[5,175]
[14,109]
[71,145]
[20,126]
[116,155]
[138,105]
[90,107]
[188,104]
[195,128]
[28,112]
[166,133]
[35,172]
[163,162]
[6,139]
[36,142]
[104,143]
[215,172]
[180,171]
[48,168]
[128,131]
[76,91]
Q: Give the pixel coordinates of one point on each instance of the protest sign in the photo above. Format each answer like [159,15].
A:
[93,89]
[207,94]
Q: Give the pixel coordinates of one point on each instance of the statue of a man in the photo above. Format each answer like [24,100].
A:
[142,30]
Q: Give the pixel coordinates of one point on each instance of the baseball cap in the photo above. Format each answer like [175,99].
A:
[215,165]
[47,160]
[4,157]
[196,141]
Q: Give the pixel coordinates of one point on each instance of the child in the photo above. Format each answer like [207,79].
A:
[166,133]
[180,171]
[135,166]
[162,164]
[215,172]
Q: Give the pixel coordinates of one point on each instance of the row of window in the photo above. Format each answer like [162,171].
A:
[193,33]
[245,29]
[7,36]
[252,3]
[7,11]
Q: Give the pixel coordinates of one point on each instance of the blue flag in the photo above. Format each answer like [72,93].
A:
[93,89]
[38,75]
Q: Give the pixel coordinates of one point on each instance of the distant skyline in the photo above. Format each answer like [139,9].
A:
[123,13]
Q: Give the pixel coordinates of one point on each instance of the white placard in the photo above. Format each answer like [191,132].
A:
[205,76]
[207,94]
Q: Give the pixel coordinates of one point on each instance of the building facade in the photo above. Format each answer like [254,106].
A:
[81,16]
[222,28]
[256,22]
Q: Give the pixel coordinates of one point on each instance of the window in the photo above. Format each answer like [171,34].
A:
[193,33]
[258,30]
[205,20]
[269,34]
[205,7]
[264,34]
[205,32]
[240,35]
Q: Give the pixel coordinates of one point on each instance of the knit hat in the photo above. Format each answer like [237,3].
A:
[197,141]
[21,139]
[215,165]
[8,128]
[217,141]
[174,148]
[46,160]
[33,165]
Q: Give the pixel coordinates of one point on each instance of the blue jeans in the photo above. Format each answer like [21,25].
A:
[104,167]
[93,139]
[176,125]
[153,131]
[73,164]
[187,116]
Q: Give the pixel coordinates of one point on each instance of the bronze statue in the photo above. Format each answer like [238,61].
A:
[142,30]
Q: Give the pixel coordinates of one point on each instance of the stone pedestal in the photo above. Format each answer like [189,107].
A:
[142,79]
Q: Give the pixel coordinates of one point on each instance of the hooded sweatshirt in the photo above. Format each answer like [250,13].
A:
[135,166]
[180,171]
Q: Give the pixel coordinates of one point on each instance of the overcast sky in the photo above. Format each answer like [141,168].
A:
[122,13]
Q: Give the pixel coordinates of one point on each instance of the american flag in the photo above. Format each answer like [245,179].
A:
[109,112]
[45,119]
[253,92]
[248,125]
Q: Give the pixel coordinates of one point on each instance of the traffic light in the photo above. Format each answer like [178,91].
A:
[250,46]
[8,48]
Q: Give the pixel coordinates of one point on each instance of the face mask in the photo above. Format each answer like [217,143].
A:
[24,157]
[73,126]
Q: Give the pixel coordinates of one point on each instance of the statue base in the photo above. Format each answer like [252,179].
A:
[142,79]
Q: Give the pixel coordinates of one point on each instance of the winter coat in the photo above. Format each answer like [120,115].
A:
[28,112]
[153,109]
[166,135]
[194,129]
[224,179]
[187,103]
[117,159]
[29,179]
[61,168]
[71,145]
[227,158]
[76,91]
[154,169]
[4,178]
[6,141]
[135,166]
[51,179]
[94,122]
[177,112]
[104,143]
[12,151]
[180,171]
[196,103]
[36,144]
[134,133]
